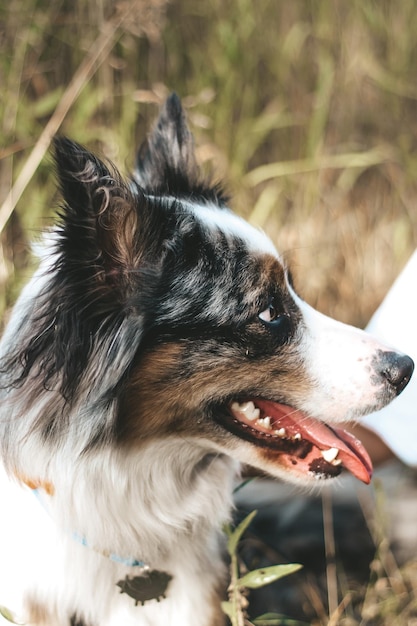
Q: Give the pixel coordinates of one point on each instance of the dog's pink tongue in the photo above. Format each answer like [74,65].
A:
[354,458]
[352,453]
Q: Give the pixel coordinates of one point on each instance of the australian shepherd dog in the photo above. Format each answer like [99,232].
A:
[160,344]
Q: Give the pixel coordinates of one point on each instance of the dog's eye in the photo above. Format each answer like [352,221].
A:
[276,320]
[270,314]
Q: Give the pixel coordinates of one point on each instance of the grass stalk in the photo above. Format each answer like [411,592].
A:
[94,57]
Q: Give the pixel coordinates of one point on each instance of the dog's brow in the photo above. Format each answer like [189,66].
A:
[223,219]
[275,270]
[232,225]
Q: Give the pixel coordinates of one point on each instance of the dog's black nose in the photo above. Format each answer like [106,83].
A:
[397,369]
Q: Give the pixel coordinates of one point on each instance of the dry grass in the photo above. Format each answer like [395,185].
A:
[307,109]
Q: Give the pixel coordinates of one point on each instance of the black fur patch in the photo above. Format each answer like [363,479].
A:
[76,621]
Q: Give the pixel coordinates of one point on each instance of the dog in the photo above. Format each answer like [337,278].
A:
[160,345]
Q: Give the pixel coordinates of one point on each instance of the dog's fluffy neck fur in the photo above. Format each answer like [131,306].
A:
[183,492]
[185,495]
[166,510]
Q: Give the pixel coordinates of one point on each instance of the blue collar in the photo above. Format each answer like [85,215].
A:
[129,562]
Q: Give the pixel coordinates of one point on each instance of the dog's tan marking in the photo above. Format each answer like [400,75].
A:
[273,270]
[34,483]
[38,614]
[162,400]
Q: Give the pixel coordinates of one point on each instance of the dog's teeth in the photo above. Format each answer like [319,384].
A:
[264,421]
[248,409]
[297,437]
[281,432]
[251,413]
[330,455]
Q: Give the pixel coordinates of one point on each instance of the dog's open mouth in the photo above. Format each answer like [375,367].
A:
[304,445]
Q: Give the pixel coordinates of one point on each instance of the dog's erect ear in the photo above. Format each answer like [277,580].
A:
[80,173]
[99,218]
[166,160]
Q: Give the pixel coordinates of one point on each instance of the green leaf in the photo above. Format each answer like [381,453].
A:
[243,484]
[235,535]
[227,609]
[8,615]
[266,575]
[274,619]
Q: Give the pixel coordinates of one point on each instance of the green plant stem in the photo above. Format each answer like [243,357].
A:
[235,594]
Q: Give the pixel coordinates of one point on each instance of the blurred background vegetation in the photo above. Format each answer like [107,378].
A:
[306,108]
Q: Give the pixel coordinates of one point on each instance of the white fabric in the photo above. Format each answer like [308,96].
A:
[395,322]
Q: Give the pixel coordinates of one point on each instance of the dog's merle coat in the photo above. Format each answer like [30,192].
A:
[157,330]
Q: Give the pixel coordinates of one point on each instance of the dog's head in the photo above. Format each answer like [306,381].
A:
[164,314]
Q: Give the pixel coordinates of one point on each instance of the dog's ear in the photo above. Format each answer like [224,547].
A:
[98,218]
[166,160]
[80,173]
[86,306]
